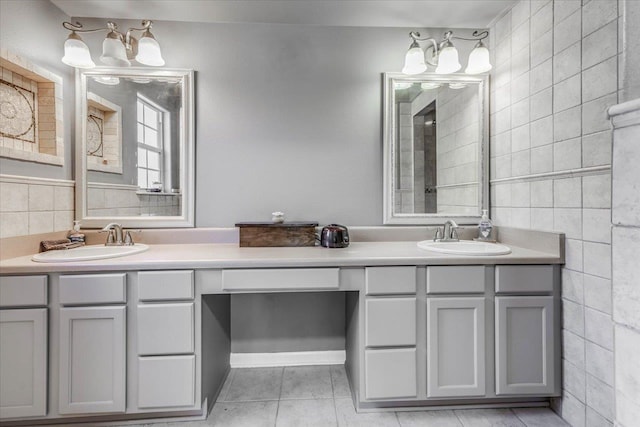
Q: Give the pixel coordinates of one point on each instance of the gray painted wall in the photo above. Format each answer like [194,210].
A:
[310,321]
[33,29]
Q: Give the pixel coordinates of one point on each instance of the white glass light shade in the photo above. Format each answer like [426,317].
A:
[114,53]
[107,80]
[448,60]
[430,85]
[478,60]
[76,53]
[414,60]
[402,85]
[149,52]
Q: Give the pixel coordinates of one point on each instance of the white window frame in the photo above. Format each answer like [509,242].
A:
[160,130]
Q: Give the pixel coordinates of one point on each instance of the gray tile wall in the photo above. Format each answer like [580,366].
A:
[555,74]
[34,206]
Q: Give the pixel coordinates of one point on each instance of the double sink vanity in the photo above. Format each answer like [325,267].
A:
[86,336]
[148,335]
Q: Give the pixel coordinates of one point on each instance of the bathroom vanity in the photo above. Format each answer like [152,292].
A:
[148,335]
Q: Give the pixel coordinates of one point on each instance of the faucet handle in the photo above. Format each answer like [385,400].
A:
[454,233]
[128,240]
[438,235]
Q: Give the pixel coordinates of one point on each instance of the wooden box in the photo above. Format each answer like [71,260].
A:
[270,234]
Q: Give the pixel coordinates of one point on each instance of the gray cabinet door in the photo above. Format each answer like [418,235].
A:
[92,360]
[23,363]
[455,347]
[390,373]
[524,345]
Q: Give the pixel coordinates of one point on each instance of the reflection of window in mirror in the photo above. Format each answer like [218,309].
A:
[151,145]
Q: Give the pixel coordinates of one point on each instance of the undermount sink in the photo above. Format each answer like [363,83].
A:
[89,253]
[465,247]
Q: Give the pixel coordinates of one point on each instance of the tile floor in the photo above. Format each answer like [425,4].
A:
[320,396]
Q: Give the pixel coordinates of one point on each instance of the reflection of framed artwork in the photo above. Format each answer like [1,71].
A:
[95,146]
[18,112]
[103,134]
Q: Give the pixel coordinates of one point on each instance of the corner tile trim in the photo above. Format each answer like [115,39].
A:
[625,114]
[594,170]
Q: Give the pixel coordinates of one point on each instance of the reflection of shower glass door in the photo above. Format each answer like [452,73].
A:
[430,162]
[425,176]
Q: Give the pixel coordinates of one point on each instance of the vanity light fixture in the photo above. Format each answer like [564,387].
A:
[118,49]
[444,56]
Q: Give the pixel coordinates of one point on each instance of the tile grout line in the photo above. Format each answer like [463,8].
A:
[518,418]
[333,395]
[455,414]
[275,421]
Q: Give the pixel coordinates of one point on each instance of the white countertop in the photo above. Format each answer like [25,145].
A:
[224,255]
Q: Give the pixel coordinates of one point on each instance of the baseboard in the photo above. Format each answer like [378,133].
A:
[293,358]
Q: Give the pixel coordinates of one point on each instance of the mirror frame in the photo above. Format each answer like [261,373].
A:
[389,142]
[187,149]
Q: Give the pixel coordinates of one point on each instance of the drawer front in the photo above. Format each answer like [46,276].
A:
[391,373]
[93,289]
[165,328]
[166,382]
[390,322]
[23,291]
[455,279]
[280,279]
[390,280]
[165,285]
[524,278]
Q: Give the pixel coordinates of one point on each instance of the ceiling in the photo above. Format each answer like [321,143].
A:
[351,13]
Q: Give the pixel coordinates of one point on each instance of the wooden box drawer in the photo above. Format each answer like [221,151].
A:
[166,328]
[165,285]
[390,280]
[280,279]
[524,278]
[93,289]
[456,279]
[23,291]
[390,322]
[166,381]
[390,373]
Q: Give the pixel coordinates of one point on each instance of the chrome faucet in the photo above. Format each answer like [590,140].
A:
[448,233]
[117,236]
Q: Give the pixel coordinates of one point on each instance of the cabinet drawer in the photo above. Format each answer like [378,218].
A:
[165,285]
[390,373]
[280,279]
[93,289]
[165,328]
[166,381]
[390,280]
[524,278]
[455,279]
[390,322]
[23,291]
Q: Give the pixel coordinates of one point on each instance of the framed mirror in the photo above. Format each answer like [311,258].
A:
[135,147]
[436,148]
